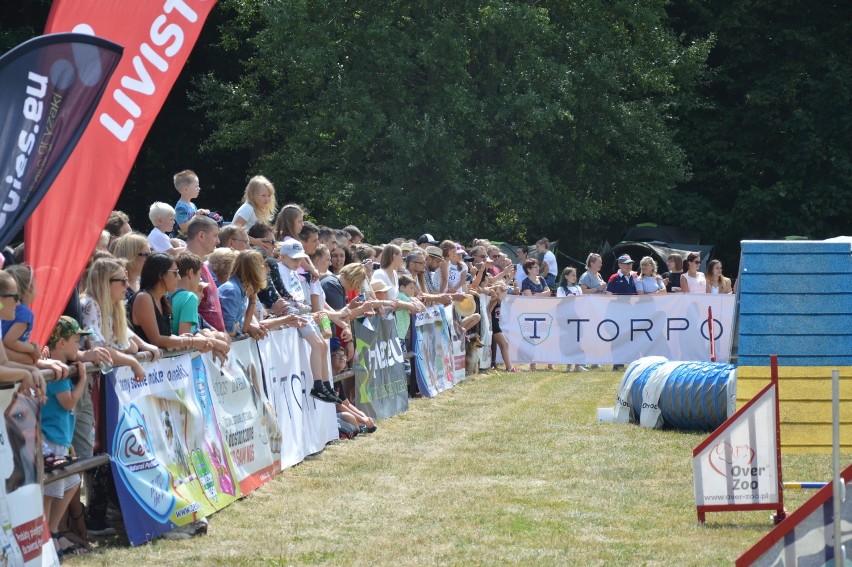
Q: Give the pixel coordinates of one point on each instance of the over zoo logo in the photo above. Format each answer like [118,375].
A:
[738,462]
[535,327]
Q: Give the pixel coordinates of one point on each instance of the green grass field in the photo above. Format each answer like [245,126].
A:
[504,469]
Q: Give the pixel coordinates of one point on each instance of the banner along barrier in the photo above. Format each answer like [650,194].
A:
[170,460]
[458,345]
[433,351]
[616,329]
[381,386]
[306,424]
[24,535]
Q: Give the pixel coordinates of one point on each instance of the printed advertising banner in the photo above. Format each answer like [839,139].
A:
[433,351]
[245,415]
[49,89]
[381,387]
[458,343]
[485,331]
[738,464]
[616,329]
[307,424]
[157,39]
[170,458]
[24,536]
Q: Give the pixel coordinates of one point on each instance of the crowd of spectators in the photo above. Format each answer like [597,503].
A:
[196,282]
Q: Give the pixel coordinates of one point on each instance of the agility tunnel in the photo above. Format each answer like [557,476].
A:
[657,393]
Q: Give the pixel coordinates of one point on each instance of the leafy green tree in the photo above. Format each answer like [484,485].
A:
[508,119]
[769,135]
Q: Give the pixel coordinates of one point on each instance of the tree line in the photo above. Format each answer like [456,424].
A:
[513,119]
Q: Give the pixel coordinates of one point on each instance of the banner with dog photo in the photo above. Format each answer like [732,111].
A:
[459,343]
[170,458]
[246,416]
[306,424]
[381,386]
[433,351]
[24,537]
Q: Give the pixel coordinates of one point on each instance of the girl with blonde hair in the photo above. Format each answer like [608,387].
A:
[258,205]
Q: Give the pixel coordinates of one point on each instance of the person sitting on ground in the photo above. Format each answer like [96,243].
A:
[649,282]
[162,217]
[258,205]
[187,184]
[57,428]
[716,282]
[346,410]
[692,280]
[234,237]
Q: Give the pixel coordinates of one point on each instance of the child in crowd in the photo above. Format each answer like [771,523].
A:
[163,218]
[186,183]
[358,421]
[57,427]
[10,371]
[258,204]
[185,300]
[408,304]
[569,288]
[16,333]
[291,255]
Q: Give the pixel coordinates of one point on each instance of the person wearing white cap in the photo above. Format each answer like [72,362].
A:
[291,253]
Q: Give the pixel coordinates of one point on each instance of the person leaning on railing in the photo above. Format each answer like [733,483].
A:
[29,376]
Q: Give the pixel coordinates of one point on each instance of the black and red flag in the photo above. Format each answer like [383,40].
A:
[49,89]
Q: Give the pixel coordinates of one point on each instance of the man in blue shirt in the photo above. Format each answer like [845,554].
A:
[622,282]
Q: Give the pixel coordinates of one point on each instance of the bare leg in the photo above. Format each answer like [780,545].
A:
[470,321]
[501,342]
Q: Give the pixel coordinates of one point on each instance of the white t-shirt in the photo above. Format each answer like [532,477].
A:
[159,241]
[550,260]
[572,290]
[454,278]
[383,275]
[246,212]
[520,276]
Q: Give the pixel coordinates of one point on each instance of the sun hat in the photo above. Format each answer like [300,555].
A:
[465,306]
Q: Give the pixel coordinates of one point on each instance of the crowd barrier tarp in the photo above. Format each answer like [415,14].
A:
[433,351]
[246,416]
[458,345]
[616,329]
[485,332]
[169,457]
[24,535]
[307,424]
[381,387]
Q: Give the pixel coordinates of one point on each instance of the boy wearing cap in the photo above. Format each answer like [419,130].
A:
[57,424]
[291,255]
[623,282]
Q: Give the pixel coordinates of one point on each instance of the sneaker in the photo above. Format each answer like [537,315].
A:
[581,369]
[325,395]
[569,368]
[200,526]
[372,428]
[99,528]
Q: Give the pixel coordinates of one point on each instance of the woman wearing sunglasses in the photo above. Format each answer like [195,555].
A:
[692,280]
[134,248]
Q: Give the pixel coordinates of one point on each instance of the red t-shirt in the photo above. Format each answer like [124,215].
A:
[209,307]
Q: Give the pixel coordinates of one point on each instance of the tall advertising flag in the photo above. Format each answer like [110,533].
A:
[158,37]
[49,89]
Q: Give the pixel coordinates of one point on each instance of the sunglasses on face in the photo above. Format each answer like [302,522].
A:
[144,254]
[122,280]
[15,296]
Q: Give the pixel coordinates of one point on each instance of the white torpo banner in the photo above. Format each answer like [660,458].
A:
[616,329]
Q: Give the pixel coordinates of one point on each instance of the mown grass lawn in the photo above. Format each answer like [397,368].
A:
[506,469]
